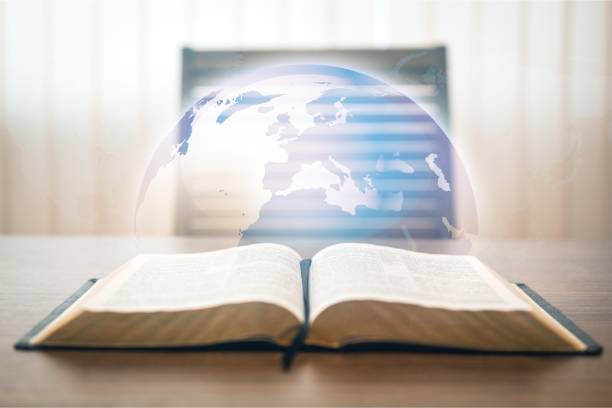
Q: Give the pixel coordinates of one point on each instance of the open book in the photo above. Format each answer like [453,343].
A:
[346,294]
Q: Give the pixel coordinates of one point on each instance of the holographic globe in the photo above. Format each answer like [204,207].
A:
[311,155]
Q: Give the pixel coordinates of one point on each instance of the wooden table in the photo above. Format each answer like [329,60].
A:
[38,273]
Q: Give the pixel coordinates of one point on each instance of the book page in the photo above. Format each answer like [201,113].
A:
[369,272]
[262,272]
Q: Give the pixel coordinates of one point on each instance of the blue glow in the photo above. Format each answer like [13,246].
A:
[360,160]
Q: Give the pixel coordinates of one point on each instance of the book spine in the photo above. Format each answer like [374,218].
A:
[298,340]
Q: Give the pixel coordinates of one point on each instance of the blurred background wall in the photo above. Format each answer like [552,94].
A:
[89,87]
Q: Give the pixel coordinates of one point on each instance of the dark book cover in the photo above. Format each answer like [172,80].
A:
[262,344]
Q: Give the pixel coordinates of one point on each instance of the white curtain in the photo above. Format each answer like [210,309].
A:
[88,88]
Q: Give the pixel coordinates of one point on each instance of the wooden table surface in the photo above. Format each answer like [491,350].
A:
[37,273]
